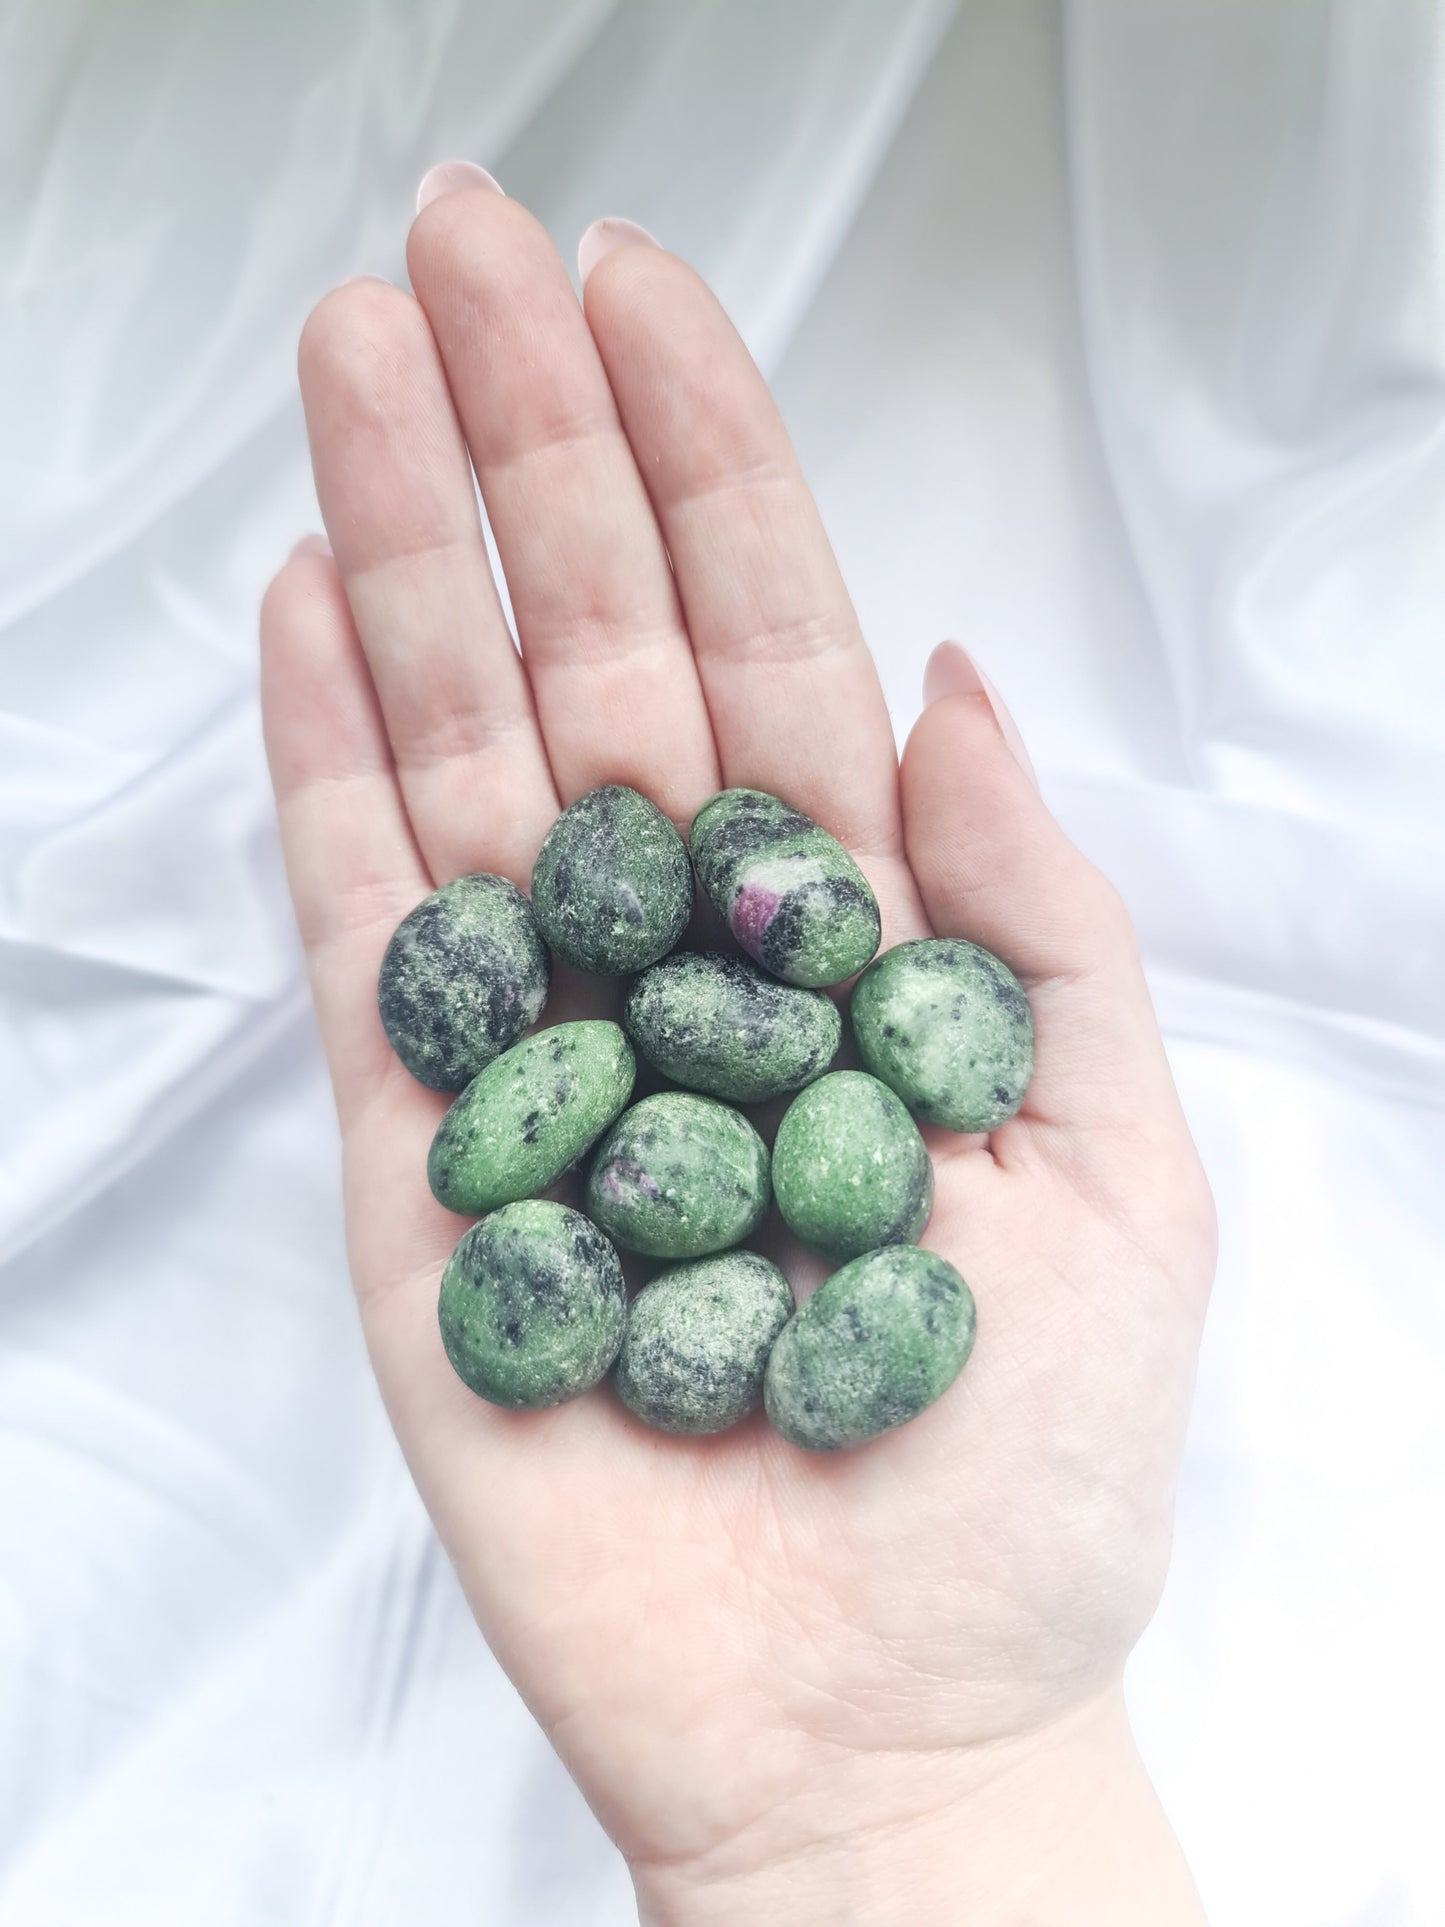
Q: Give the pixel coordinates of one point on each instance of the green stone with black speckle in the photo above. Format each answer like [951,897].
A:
[697,1342]
[465,974]
[612,887]
[850,1172]
[529,1115]
[873,1347]
[946,1025]
[723,1026]
[792,896]
[532,1305]
[679,1176]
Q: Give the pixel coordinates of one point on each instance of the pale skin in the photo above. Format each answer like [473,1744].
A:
[878,1686]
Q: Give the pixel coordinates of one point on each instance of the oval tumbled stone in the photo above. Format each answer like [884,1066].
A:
[722,1026]
[679,1176]
[464,975]
[792,896]
[850,1172]
[697,1341]
[947,1026]
[875,1344]
[534,1111]
[612,888]
[532,1305]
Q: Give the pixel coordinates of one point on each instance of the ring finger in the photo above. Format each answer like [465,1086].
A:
[396,493]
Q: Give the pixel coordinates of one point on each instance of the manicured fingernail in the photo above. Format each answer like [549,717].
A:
[952,671]
[311,545]
[605,237]
[451,177]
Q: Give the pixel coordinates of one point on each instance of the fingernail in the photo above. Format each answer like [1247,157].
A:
[952,671]
[451,177]
[605,237]
[311,545]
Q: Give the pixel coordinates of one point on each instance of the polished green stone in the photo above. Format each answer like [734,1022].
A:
[850,1172]
[792,896]
[875,1344]
[722,1026]
[612,888]
[679,1176]
[532,1305]
[522,1121]
[947,1026]
[697,1341]
[464,975]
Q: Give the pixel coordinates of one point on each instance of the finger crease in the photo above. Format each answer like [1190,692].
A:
[751,478]
[597,641]
[463,733]
[806,639]
[568,438]
[465,543]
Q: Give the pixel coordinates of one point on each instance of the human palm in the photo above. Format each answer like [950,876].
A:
[715,1632]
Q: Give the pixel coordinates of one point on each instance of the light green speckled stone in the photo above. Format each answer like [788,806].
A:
[679,1176]
[947,1026]
[532,1305]
[612,887]
[722,1026]
[875,1345]
[697,1342]
[850,1172]
[792,896]
[528,1116]
[465,974]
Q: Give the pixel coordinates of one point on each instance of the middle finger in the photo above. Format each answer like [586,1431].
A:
[597,612]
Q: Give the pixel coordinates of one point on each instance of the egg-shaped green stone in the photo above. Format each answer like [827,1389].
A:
[791,894]
[722,1026]
[875,1345]
[612,887]
[697,1341]
[529,1115]
[947,1026]
[532,1305]
[679,1176]
[850,1172]
[464,975]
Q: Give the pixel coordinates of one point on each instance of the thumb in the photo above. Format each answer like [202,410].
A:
[993,866]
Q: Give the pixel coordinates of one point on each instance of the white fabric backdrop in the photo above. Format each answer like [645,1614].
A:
[1113,336]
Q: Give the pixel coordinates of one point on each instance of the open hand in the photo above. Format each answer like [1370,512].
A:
[779,1678]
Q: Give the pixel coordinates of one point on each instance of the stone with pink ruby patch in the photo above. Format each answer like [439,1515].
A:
[792,896]
[679,1176]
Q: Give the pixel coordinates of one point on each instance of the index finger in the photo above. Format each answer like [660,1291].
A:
[796,704]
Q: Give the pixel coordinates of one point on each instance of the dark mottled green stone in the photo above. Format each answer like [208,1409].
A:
[697,1342]
[465,974]
[850,1172]
[679,1176]
[721,1025]
[612,890]
[532,1305]
[947,1026]
[523,1120]
[875,1344]
[792,896]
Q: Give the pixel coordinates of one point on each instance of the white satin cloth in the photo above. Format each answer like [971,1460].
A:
[1113,337]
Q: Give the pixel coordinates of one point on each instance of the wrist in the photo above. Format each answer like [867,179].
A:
[1056,1827]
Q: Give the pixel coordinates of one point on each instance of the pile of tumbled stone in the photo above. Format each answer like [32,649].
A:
[534,1308]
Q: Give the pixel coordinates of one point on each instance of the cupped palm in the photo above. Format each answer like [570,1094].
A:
[706,1627]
